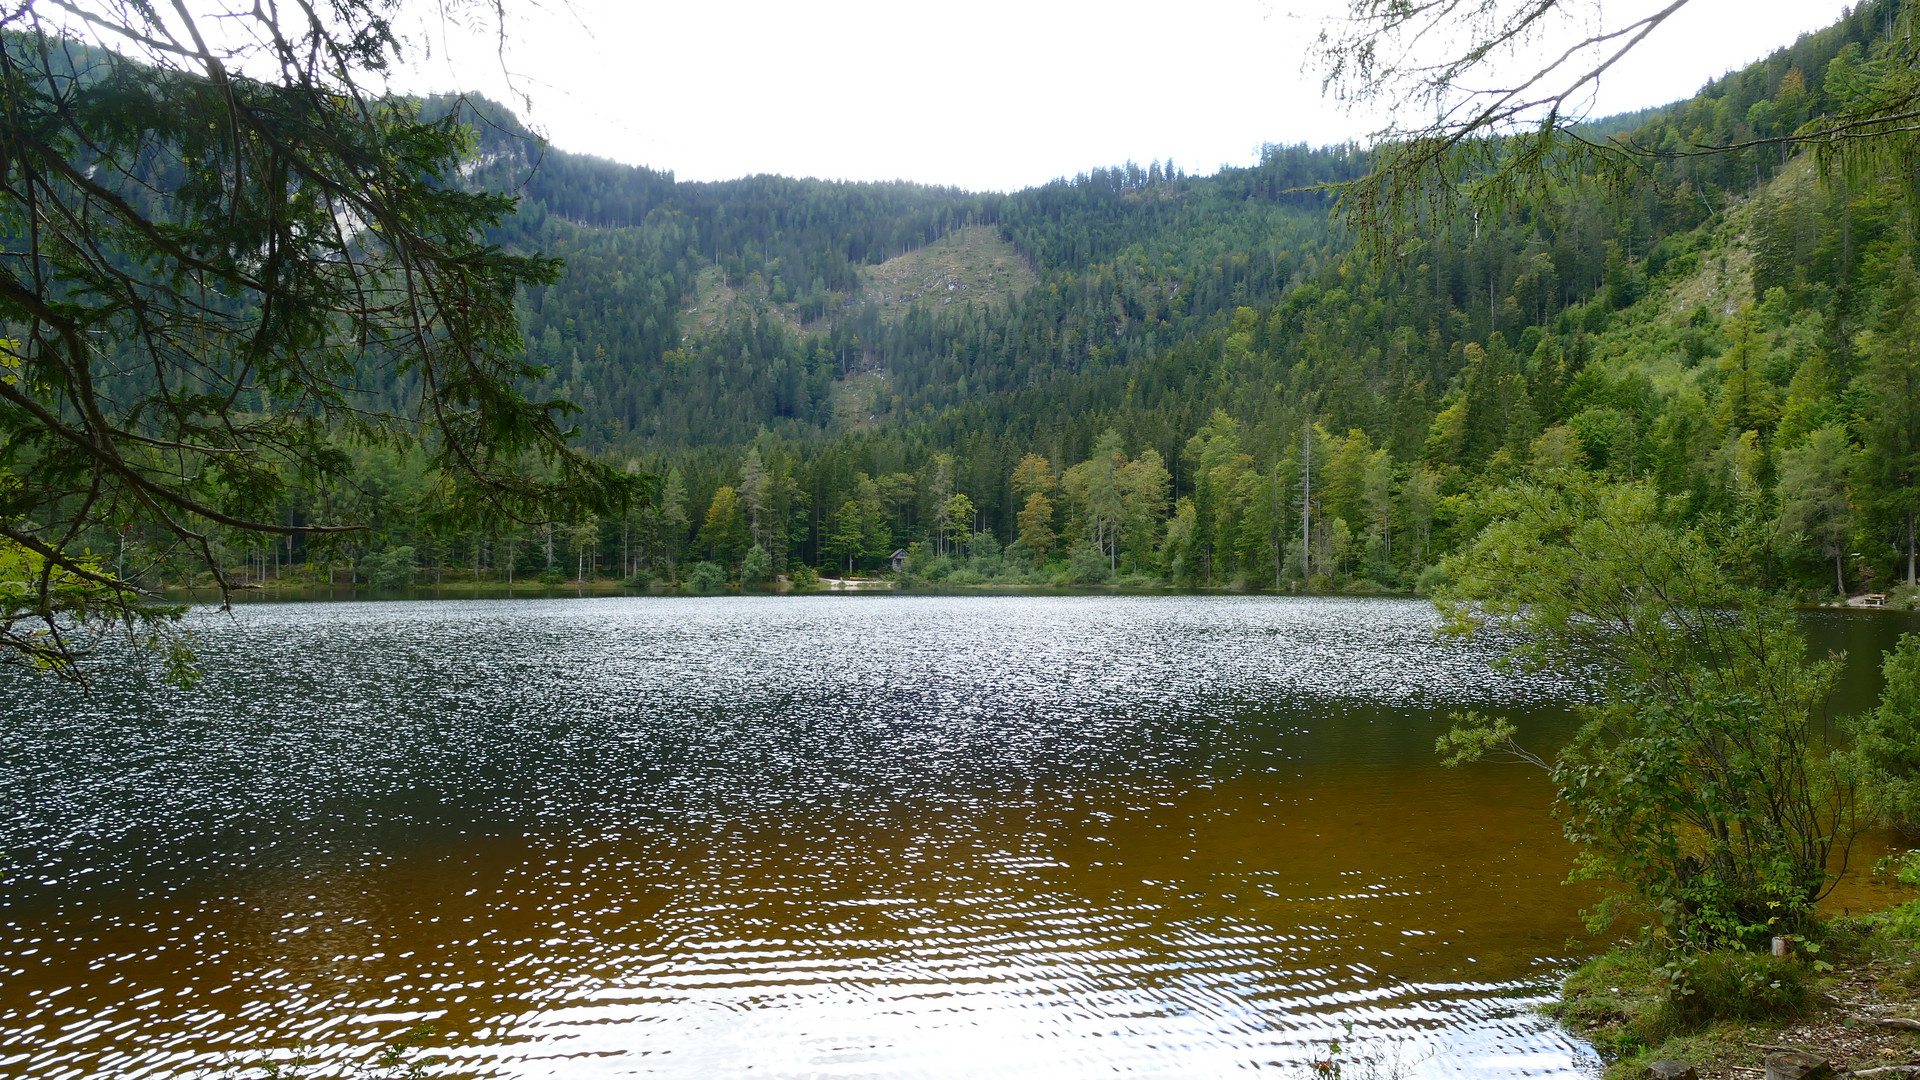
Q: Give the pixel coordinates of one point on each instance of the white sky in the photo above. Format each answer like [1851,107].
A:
[991,94]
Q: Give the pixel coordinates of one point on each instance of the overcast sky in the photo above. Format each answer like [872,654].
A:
[991,94]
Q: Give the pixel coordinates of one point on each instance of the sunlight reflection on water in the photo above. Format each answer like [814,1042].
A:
[826,836]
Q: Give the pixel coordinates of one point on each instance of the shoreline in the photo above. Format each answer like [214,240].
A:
[255,592]
[1849,995]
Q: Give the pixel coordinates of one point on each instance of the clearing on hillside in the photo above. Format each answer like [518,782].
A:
[714,303]
[970,264]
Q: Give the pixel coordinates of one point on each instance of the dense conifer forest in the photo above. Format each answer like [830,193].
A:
[1148,375]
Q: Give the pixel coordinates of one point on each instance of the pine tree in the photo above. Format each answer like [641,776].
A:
[674,521]
[1814,499]
[1745,403]
[753,492]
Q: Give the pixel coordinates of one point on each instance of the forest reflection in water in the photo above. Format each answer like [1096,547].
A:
[829,836]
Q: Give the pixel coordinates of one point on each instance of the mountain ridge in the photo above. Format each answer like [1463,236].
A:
[1223,324]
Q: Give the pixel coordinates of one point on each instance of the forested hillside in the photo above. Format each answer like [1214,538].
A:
[1125,259]
[1192,378]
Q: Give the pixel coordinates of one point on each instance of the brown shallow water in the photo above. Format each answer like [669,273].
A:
[787,837]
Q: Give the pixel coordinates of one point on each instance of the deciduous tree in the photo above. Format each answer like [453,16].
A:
[1036,527]
[1703,778]
[1814,498]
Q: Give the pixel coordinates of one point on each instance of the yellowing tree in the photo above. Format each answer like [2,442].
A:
[1033,476]
[1036,527]
[958,519]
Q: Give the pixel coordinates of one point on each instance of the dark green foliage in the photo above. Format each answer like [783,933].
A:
[1734,984]
[706,577]
[756,566]
[217,284]
[1476,144]
[1887,741]
[391,569]
[1087,565]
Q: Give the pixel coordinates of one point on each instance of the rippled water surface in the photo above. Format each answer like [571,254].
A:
[794,837]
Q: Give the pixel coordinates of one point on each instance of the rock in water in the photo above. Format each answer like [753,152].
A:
[1794,1065]
[1672,1070]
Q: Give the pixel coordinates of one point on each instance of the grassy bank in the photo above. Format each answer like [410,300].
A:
[1723,1012]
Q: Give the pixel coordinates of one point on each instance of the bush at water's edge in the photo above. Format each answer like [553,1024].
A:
[1721,1011]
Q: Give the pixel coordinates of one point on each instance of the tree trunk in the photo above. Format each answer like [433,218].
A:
[1839,575]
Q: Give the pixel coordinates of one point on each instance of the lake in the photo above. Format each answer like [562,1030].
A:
[828,836]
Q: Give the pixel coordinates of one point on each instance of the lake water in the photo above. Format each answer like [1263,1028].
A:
[792,837]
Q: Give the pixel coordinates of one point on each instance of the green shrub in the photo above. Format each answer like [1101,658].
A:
[1709,697]
[1734,984]
[1887,740]
[984,554]
[1632,998]
[706,578]
[1903,921]
[639,579]
[803,576]
[392,569]
[919,557]
[1431,577]
[1088,565]
[756,567]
